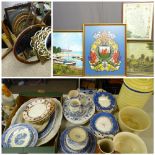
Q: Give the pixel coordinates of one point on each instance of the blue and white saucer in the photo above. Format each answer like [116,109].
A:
[80,117]
[105,102]
[20,135]
[104,124]
[89,147]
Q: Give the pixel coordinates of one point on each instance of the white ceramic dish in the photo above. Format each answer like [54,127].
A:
[126,142]
[133,119]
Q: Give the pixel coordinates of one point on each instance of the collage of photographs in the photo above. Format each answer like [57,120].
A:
[77,77]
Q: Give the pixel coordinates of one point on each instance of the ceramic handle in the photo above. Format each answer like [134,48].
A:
[101,90]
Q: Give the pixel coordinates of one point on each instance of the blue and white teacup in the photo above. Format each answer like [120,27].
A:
[75,105]
[77,138]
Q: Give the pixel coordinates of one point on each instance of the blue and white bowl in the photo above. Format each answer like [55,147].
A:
[104,124]
[105,102]
[87,146]
[20,135]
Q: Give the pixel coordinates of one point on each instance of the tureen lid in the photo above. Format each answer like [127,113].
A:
[142,85]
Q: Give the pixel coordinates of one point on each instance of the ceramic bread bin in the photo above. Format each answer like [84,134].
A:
[135,92]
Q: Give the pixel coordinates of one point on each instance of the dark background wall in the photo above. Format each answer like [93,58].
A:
[71,15]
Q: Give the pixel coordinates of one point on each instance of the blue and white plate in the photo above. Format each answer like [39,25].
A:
[89,148]
[20,135]
[80,117]
[104,101]
[104,124]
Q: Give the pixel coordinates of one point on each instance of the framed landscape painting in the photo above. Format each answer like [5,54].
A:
[139,19]
[140,58]
[104,49]
[67,53]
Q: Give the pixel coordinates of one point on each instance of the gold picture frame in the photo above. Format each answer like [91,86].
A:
[86,50]
[139,19]
[140,58]
[82,55]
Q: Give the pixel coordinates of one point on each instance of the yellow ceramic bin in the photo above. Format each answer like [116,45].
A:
[135,92]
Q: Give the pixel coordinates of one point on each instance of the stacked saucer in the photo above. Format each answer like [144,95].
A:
[77,139]
[20,135]
[39,110]
[104,125]
[105,102]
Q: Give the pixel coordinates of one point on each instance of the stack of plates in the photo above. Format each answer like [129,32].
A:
[77,140]
[39,110]
[87,110]
[20,135]
[104,124]
[46,130]
[105,102]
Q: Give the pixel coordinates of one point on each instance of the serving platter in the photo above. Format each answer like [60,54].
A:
[51,129]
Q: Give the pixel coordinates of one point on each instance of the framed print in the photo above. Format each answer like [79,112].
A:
[67,53]
[140,58]
[104,49]
[139,20]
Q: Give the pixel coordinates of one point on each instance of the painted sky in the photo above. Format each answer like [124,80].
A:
[68,40]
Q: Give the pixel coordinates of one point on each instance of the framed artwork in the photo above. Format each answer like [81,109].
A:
[67,53]
[139,20]
[140,58]
[104,49]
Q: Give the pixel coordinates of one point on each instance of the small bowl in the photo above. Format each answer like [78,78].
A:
[133,119]
[127,142]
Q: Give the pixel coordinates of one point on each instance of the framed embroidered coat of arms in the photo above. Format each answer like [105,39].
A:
[104,49]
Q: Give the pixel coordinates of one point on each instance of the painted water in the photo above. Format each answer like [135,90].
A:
[69,56]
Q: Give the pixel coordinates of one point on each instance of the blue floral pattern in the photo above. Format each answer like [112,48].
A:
[19,140]
[88,109]
[21,137]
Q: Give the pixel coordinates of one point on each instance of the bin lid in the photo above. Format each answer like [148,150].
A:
[142,85]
